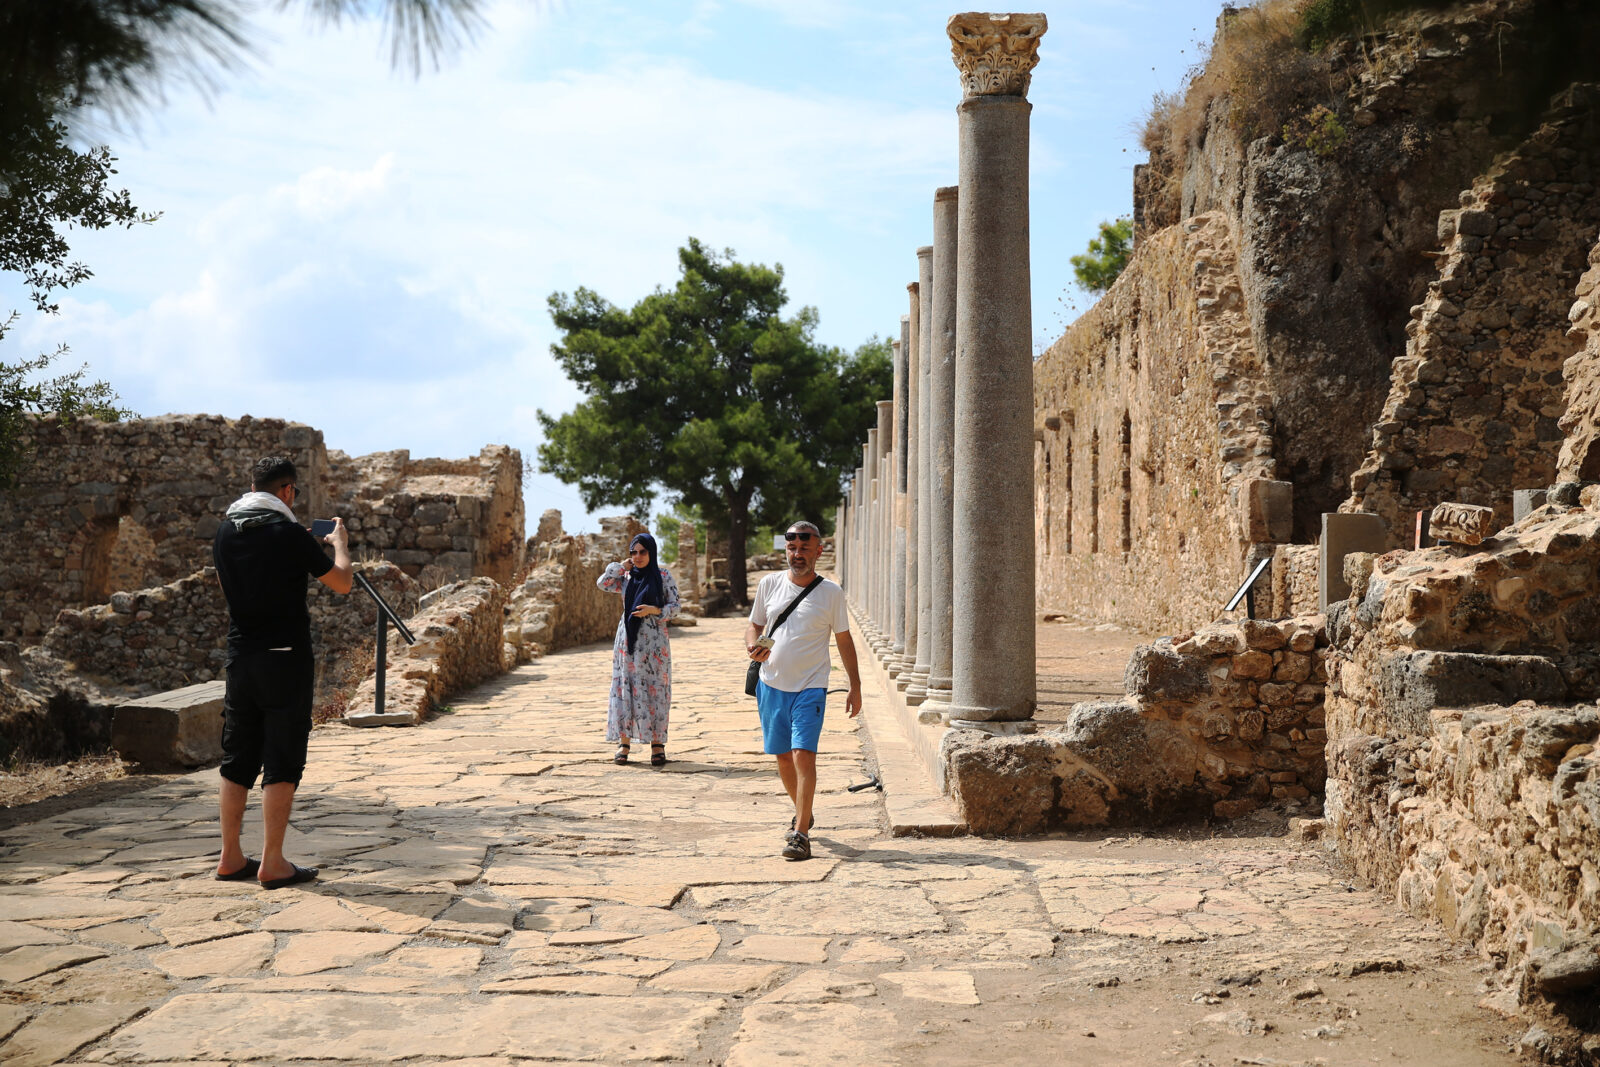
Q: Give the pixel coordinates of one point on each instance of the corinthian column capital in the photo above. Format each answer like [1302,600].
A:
[995,53]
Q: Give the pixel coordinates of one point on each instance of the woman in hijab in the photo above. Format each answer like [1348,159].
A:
[641,661]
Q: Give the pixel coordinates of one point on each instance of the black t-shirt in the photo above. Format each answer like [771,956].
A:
[264,571]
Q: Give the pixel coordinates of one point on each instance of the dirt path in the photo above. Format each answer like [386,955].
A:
[496,891]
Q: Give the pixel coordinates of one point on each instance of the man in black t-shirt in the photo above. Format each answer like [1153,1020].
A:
[263,557]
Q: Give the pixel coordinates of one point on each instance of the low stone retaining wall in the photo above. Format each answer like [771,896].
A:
[558,604]
[1463,772]
[459,645]
[1215,723]
[176,634]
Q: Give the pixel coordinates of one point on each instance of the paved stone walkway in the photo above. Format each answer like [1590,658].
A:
[495,890]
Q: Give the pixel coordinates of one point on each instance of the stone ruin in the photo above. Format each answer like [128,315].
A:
[1321,361]
[105,552]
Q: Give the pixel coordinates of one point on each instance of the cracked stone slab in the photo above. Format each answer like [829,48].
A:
[601,985]
[718,978]
[244,1026]
[427,961]
[57,1032]
[30,961]
[819,986]
[943,987]
[776,948]
[326,951]
[804,909]
[15,935]
[689,943]
[229,956]
[770,1033]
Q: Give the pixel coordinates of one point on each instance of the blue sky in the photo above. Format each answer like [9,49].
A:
[371,253]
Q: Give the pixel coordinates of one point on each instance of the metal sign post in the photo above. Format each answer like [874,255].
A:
[1247,591]
[386,616]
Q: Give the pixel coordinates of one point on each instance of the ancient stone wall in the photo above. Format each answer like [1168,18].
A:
[459,645]
[1155,459]
[93,489]
[1473,405]
[109,507]
[1215,723]
[173,635]
[439,520]
[1462,773]
[1294,582]
[558,605]
[1580,457]
[1344,231]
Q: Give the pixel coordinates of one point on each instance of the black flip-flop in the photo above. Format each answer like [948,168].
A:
[243,874]
[301,874]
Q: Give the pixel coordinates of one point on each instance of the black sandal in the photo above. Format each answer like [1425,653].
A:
[658,755]
[622,755]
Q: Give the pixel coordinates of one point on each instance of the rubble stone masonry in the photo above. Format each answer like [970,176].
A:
[1474,404]
[1214,724]
[1462,771]
[119,507]
[1154,467]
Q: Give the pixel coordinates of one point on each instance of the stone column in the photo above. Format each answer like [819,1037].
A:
[885,564]
[897,478]
[941,433]
[869,537]
[919,572]
[858,507]
[913,334]
[994,653]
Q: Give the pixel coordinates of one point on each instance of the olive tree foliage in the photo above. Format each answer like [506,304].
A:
[705,390]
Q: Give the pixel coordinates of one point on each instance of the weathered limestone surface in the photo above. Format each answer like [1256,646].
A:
[1214,724]
[493,889]
[1156,439]
[459,645]
[558,604]
[109,507]
[1462,773]
[175,635]
[177,729]
[1473,407]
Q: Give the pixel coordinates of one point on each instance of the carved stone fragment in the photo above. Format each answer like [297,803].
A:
[1463,524]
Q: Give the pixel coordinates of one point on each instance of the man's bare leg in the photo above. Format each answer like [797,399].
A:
[786,772]
[231,800]
[805,790]
[277,801]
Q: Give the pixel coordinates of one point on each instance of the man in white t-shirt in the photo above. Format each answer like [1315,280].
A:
[794,671]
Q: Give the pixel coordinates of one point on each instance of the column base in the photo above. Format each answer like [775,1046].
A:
[968,713]
[996,729]
[917,690]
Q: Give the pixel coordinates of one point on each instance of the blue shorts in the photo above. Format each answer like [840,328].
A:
[789,720]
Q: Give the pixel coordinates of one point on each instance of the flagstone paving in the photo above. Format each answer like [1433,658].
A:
[495,891]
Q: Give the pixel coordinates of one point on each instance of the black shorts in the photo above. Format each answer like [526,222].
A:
[266,717]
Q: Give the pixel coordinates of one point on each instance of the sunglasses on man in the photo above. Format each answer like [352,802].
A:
[803,536]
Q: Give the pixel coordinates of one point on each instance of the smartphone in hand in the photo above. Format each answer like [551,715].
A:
[321,528]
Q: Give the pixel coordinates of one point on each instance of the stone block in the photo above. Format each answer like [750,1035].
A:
[173,730]
[1412,684]
[1269,513]
[1156,672]
[1462,524]
[1526,501]
[1342,534]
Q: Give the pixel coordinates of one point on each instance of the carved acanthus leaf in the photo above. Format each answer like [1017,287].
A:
[995,53]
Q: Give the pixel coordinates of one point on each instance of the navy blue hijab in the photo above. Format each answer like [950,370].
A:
[644,587]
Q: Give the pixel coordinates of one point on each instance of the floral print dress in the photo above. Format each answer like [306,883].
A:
[641,684]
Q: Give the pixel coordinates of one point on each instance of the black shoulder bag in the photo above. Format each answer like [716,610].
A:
[753,674]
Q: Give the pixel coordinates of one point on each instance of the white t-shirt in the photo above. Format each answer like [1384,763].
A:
[799,657]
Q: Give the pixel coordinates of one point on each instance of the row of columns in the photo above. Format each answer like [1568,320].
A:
[935,536]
